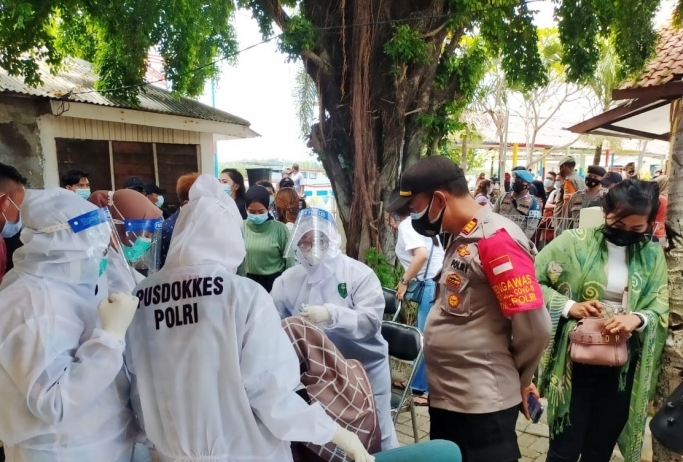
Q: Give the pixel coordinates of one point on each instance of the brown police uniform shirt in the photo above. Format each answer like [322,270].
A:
[477,359]
[581,200]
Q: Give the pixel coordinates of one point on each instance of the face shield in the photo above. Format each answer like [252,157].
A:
[314,237]
[96,231]
[137,246]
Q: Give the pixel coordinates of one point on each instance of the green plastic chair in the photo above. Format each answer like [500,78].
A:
[427,451]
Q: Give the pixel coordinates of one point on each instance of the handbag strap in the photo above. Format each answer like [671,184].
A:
[429,260]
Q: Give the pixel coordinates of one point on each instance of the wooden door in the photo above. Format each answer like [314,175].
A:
[88,155]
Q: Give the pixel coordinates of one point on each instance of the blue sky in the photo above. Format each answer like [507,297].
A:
[259,89]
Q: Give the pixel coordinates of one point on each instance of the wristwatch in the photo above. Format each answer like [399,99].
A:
[404,282]
[642,320]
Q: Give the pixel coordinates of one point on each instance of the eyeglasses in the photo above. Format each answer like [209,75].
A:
[307,246]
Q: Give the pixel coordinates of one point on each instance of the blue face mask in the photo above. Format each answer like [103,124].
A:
[270,202]
[257,219]
[228,189]
[138,250]
[160,201]
[11,229]
[103,265]
[84,193]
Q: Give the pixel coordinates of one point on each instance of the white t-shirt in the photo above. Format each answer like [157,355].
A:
[299,181]
[409,239]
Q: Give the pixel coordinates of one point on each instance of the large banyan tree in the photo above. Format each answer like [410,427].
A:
[392,75]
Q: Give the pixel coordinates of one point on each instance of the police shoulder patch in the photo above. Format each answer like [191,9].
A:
[341,288]
[469,227]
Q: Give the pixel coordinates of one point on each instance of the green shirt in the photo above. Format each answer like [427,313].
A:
[266,244]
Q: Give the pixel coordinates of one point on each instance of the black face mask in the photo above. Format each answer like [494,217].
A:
[517,187]
[592,182]
[423,225]
[622,238]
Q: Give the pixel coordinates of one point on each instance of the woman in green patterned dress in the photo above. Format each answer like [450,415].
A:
[618,270]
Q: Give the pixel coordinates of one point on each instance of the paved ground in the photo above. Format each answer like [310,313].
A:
[533,438]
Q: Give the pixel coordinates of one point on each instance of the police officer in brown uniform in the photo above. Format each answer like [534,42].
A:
[519,205]
[590,196]
[488,328]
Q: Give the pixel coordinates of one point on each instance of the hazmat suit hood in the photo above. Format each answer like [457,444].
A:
[208,230]
[319,222]
[62,256]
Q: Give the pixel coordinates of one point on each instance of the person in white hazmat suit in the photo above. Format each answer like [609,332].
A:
[212,370]
[63,388]
[344,298]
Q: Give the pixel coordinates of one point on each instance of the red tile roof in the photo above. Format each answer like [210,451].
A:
[666,66]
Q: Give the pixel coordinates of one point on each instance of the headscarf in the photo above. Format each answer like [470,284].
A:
[126,204]
[208,229]
[257,194]
[663,182]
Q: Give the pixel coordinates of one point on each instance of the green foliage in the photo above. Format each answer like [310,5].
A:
[117,36]
[509,32]
[389,276]
[464,70]
[406,46]
[305,95]
[297,37]
[475,158]
[582,25]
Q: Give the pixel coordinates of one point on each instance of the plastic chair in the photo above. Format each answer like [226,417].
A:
[392,305]
[427,451]
[405,343]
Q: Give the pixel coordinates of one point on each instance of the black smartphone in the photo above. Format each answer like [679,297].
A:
[535,408]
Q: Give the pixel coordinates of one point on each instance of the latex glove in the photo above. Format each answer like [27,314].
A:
[351,445]
[116,313]
[316,314]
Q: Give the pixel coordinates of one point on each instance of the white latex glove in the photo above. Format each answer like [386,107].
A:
[351,445]
[316,314]
[116,313]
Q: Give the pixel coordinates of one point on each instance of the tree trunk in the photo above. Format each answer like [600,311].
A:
[597,157]
[672,358]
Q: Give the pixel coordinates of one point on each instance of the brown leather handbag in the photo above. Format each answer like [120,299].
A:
[589,346]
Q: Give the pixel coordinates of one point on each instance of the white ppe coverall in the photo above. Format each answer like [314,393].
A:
[213,372]
[354,300]
[63,391]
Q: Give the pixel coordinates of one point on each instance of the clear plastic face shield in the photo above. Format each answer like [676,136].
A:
[152,259]
[138,243]
[98,231]
[314,237]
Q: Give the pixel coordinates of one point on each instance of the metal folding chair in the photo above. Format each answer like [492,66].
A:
[405,343]
[392,305]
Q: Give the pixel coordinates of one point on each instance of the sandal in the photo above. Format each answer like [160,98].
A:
[400,385]
[422,400]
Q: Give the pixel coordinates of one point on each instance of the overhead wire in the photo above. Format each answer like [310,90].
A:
[273,37]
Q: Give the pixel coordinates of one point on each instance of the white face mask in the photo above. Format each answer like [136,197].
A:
[558,185]
[548,183]
[313,257]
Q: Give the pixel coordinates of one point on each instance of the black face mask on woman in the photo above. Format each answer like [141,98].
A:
[622,238]
[592,182]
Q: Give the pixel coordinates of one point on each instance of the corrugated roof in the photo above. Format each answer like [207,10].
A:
[667,65]
[77,76]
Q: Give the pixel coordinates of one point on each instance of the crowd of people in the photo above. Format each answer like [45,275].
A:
[235,328]
[545,209]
